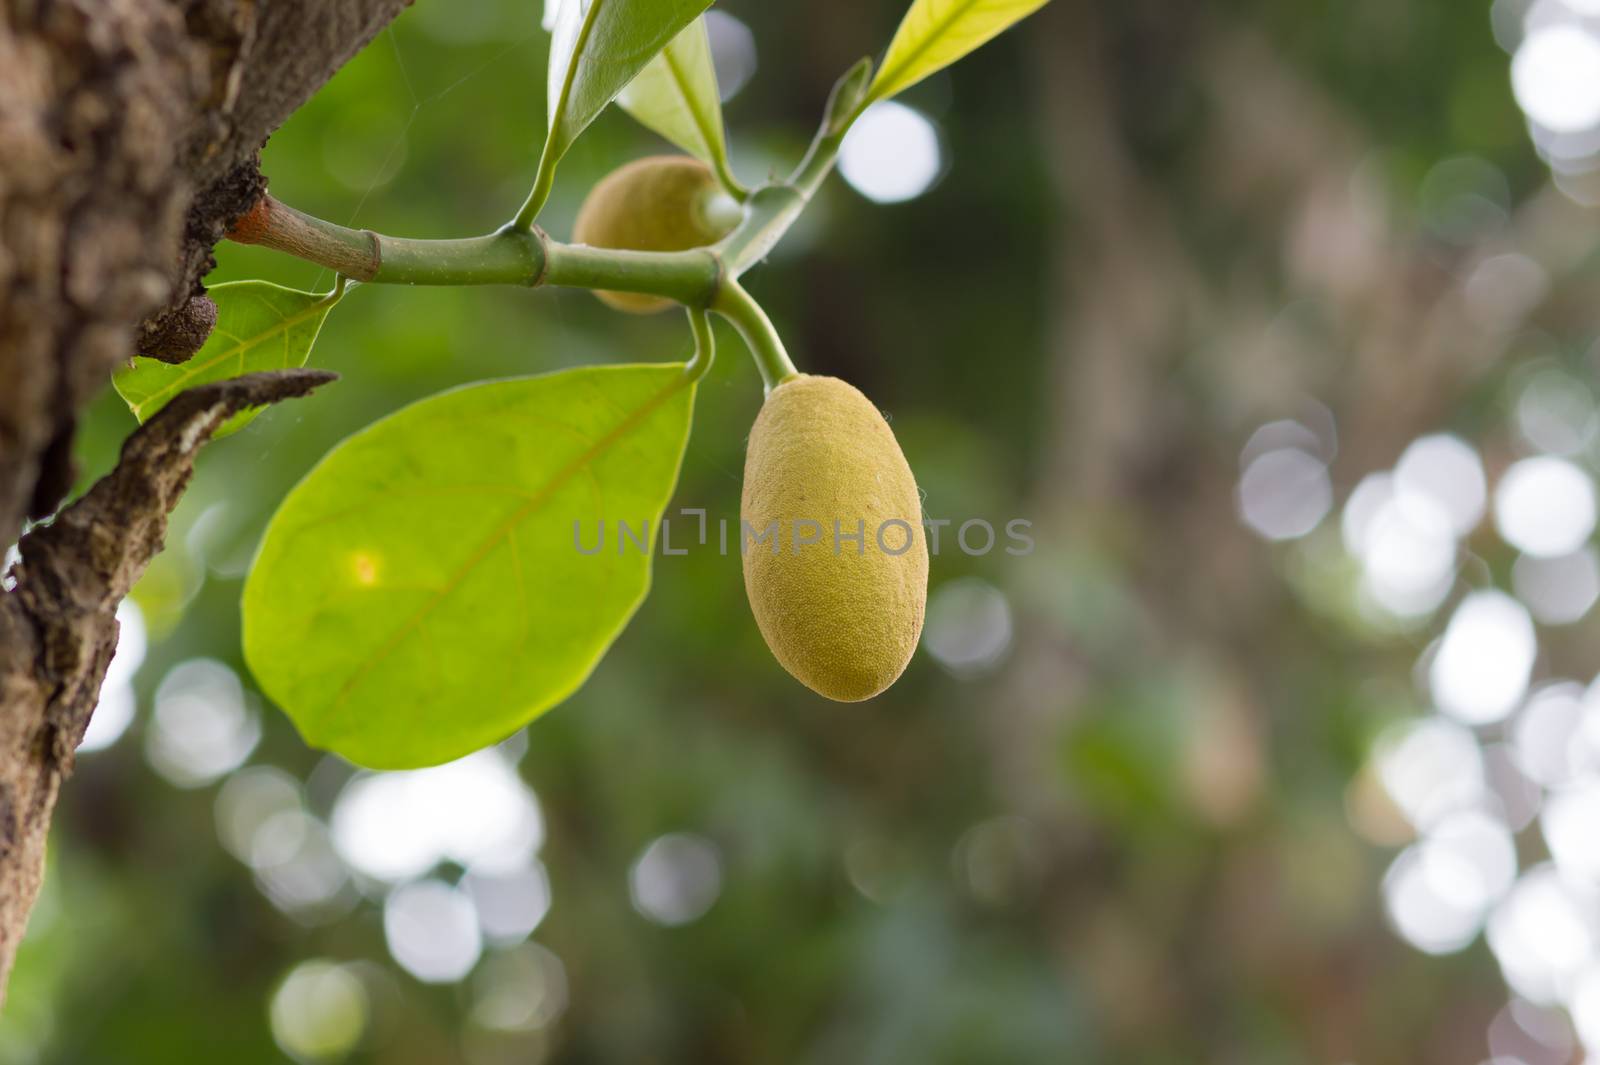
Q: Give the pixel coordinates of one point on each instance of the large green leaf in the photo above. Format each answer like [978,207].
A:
[596,48]
[935,33]
[676,95]
[421,593]
[260,326]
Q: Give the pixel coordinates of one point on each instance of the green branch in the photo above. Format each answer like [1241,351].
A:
[846,100]
[523,254]
[509,257]
[687,277]
[772,209]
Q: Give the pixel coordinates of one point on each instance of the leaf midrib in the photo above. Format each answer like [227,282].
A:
[702,123]
[571,75]
[522,513]
[961,8]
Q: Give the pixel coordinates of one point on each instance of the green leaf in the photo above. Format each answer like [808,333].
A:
[596,48]
[421,593]
[676,95]
[935,33]
[260,326]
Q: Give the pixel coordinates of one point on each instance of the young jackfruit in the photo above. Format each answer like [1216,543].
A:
[835,555]
[660,203]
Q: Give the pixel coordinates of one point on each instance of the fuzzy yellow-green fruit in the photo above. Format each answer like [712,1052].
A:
[841,599]
[660,203]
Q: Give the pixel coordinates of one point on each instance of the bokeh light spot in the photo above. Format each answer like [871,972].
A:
[1558,590]
[969,626]
[1464,198]
[319,1012]
[114,713]
[1430,767]
[1481,668]
[1442,475]
[202,728]
[1556,413]
[519,990]
[1555,76]
[1571,827]
[891,154]
[476,811]
[297,868]
[733,52]
[676,878]
[1421,904]
[1471,858]
[510,905]
[432,931]
[1284,494]
[1404,542]
[1545,732]
[1545,506]
[249,799]
[1542,935]
[1585,1007]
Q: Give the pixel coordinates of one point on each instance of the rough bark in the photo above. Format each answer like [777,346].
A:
[59,621]
[128,139]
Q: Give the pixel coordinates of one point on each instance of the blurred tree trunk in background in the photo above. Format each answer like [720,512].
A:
[128,139]
[1167,354]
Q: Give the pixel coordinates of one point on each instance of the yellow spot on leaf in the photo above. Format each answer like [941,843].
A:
[365,567]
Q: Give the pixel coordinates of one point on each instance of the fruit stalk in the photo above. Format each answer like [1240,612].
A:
[766,347]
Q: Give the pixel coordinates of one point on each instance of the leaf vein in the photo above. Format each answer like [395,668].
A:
[506,528]
[195,366]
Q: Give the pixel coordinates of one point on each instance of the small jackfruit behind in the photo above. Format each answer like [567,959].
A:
[660,203]
[840,589]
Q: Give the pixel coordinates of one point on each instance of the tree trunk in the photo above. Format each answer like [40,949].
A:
[128,139]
